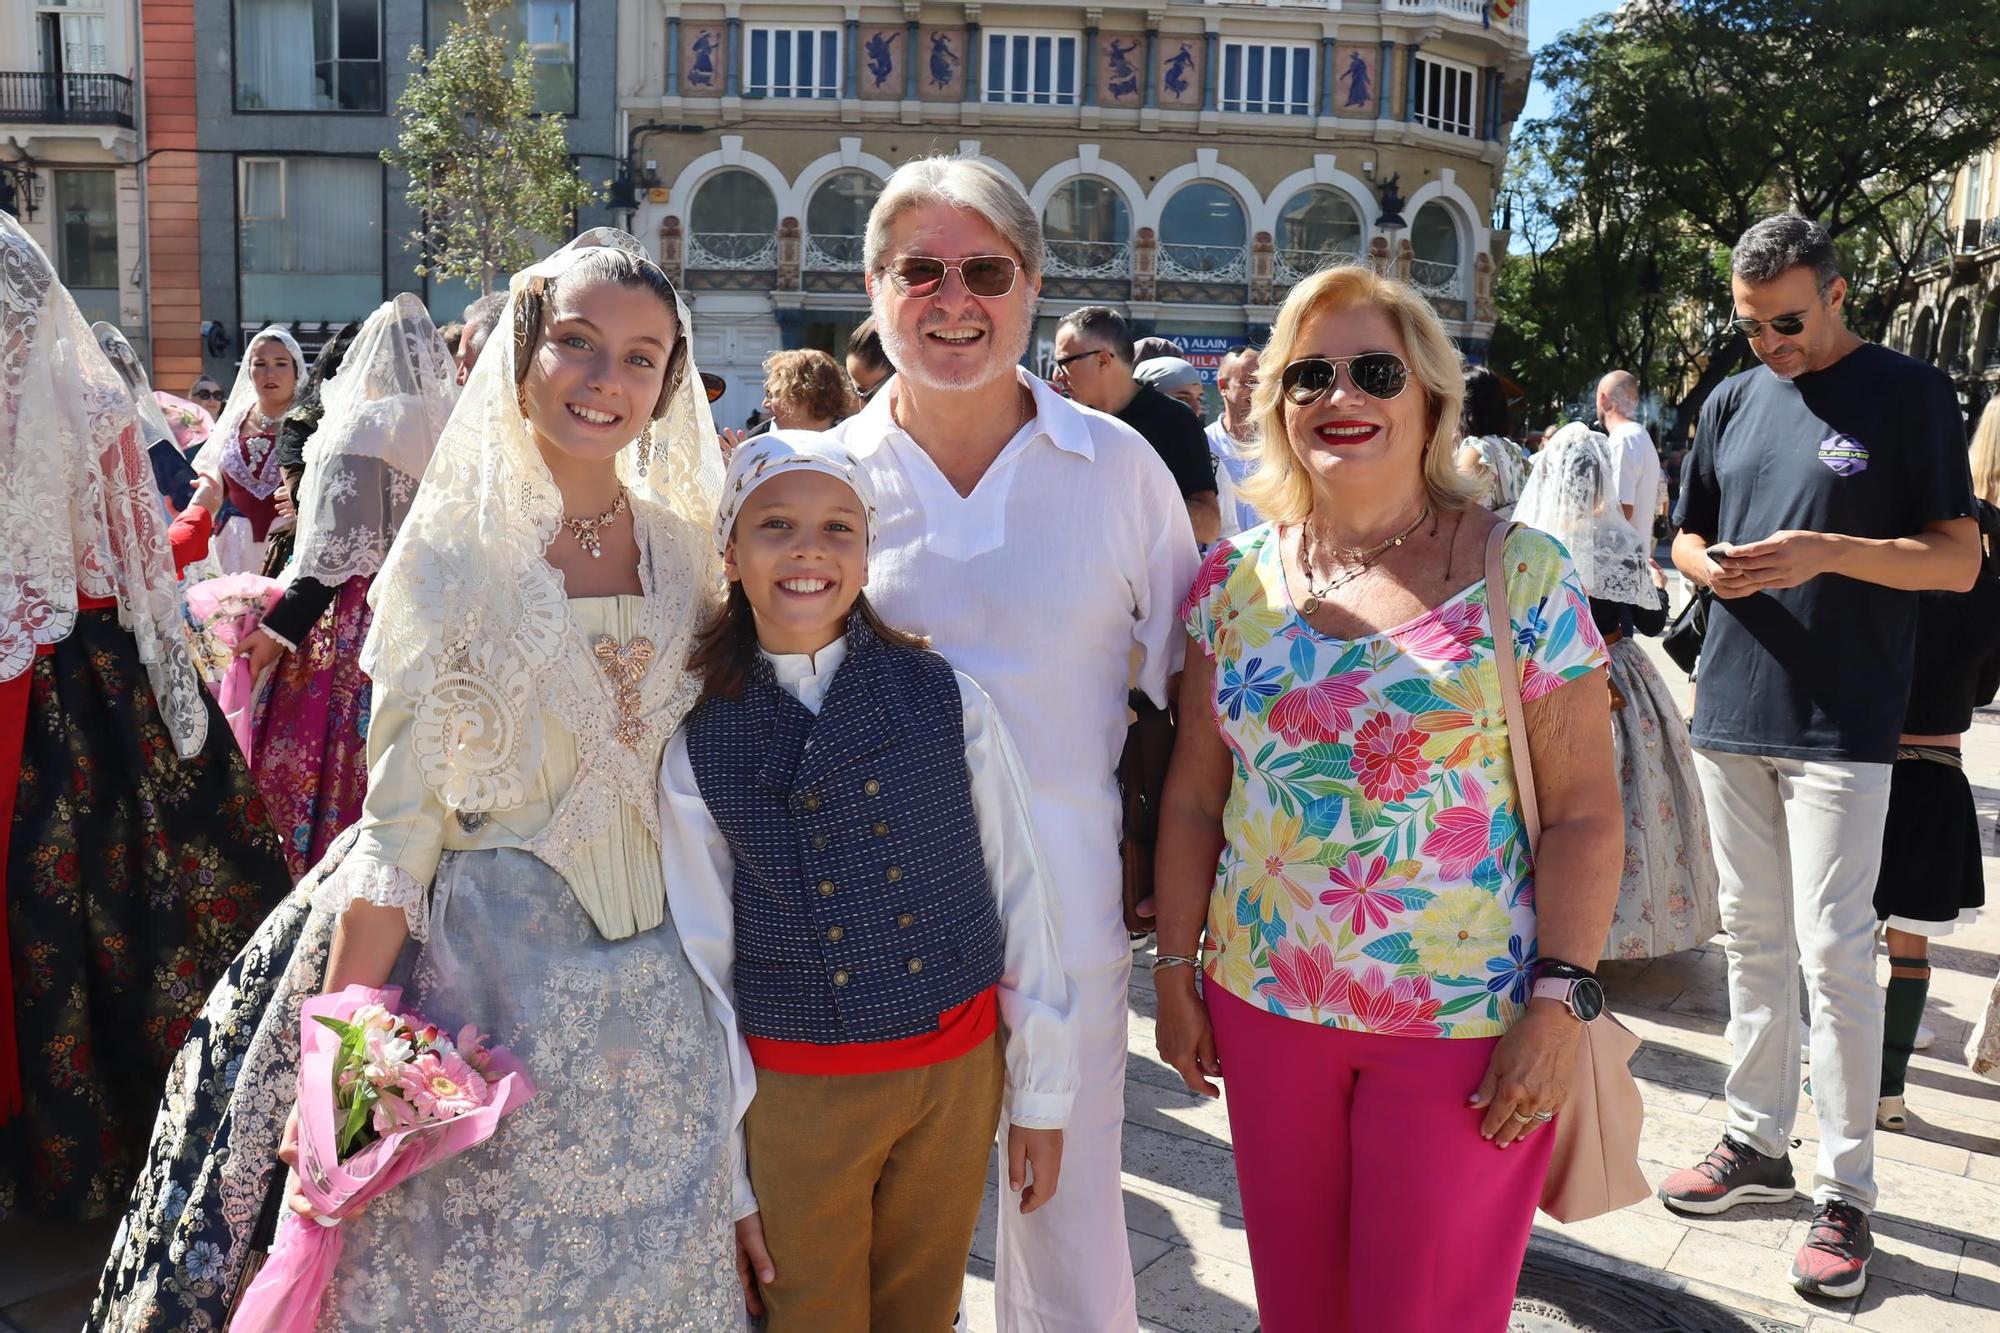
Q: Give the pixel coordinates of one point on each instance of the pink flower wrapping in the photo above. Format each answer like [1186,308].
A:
[286,1295]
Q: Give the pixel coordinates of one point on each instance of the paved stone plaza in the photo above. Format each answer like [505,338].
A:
[1937,1266]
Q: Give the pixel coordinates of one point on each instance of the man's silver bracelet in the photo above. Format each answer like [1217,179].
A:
[1176,960]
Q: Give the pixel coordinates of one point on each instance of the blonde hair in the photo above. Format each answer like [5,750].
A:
[1986,454]
[1281,488]
[811,382]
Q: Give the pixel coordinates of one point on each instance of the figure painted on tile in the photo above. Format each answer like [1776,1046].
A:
[944,60]
[882,56]
[1360,87]
[1178,66]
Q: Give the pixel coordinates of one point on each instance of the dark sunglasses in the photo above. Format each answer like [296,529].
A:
[200,394]
[1788,326]
[986,276]
[1377,374]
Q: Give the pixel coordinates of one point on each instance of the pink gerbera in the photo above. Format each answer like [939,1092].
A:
[1361,894]
[441,1086]
[1388,757]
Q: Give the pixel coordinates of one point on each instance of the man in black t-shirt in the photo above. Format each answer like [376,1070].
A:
[1826,488]
[1094,360]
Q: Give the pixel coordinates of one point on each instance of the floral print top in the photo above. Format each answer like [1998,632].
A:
[1375,874]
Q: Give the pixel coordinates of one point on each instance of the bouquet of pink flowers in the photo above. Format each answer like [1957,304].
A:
[382,1096]
[223,611]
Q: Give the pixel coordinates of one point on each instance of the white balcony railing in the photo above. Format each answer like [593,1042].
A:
[732,250]
[1467,11]
[833,254]
[1203,263]
[1294,266]
[1435,278]
[1088,259]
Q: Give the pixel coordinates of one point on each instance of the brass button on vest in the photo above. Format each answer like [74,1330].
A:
[819,842]
[836,933]
[826,888]
[881,829]
[906,920]
[810,800]
[895,873]
[916,965]
[840,977]
[871,788]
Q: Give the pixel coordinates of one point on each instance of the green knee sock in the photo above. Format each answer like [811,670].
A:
[1903,1010]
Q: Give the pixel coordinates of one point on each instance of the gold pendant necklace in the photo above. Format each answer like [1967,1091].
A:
[589,532]
[1362,560]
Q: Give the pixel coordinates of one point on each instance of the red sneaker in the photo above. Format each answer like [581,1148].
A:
[1732,1173]
[1834,1259]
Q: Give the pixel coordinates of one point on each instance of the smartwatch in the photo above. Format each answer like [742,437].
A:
[1583,996]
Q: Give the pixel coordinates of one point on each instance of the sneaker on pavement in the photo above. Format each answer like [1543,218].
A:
[1732,1173]
[1834,1259]
[1926,1038]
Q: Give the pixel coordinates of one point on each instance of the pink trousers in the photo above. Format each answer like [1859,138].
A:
[1371,1203]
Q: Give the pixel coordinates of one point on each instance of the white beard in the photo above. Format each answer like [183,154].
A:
[907,358]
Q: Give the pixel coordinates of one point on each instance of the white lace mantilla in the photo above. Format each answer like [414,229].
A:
[223,455]
[472,624]
[78,504]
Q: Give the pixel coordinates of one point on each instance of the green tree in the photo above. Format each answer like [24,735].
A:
[1691,119]
[487,174]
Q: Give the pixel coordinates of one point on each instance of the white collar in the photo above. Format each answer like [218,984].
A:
[1056,418]
[791,668]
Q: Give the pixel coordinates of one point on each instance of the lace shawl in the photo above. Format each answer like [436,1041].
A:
[472,623]
[152,418]
[221,456]
[78,504]
[383,411]
[1573,496]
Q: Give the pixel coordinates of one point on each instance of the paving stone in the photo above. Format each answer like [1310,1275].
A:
[1648,1239]
[1191,1292]
[1979,1274]
[1197,1224]
[1888,1306]
[1741,1266]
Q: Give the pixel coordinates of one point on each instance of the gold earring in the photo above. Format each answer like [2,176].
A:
[645,447]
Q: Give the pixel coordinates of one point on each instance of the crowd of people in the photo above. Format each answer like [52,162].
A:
[486,667]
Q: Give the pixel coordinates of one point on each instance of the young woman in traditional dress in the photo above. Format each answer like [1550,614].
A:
[241,452]
[138,854]
[531,626]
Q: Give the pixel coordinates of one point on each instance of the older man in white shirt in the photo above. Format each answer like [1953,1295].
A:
[1045,550]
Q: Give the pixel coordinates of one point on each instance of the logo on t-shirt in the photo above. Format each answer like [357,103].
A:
[1844,455]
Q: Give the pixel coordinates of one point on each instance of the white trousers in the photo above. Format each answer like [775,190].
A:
[1798,844]
[1066,1267]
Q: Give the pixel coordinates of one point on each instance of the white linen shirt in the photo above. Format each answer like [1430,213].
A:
[1036,998]
[1056,585]
[1234,462]
[1636,465]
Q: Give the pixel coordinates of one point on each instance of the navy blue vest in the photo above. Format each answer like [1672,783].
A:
[863,909]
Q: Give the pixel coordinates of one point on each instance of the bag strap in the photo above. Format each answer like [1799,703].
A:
[1499,611]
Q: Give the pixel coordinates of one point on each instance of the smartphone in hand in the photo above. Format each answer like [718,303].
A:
[1720,553]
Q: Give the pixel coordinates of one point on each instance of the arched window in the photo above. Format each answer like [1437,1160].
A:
[1434,239]
[1203,236]
[1923,342]
[1951,344]
[1986,348]
[733,223]
[1089,231]
[1317,228]
[837,220]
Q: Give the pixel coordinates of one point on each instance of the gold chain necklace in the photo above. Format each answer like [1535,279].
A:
[1361,559]
[589,532]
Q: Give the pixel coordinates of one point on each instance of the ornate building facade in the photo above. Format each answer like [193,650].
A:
[1190,161]
[1954,320]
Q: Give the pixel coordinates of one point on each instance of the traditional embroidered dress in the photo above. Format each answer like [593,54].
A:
[515,740]
[241,454]
[362,466]
[138,856]
[1667,891]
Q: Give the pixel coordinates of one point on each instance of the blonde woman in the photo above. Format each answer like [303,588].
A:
[1396,992]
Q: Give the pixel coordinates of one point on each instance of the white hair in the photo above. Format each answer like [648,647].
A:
[957,182]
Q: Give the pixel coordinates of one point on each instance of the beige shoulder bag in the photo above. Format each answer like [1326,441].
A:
[1595,1164]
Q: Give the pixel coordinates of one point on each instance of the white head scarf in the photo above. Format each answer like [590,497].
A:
[220,457]
[152,420]
[1572,495]
[764,457]
[383,412]
[471,622]
[78,504]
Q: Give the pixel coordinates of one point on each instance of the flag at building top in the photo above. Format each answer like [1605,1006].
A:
[1499,9]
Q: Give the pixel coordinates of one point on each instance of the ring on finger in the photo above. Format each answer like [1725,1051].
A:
[1523,1117]
[1545,1116]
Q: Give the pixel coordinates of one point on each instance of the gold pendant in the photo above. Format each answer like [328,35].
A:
[1309,605]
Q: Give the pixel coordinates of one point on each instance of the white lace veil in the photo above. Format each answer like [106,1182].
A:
[383,411]
[220,457]
[152,420]
[78,504]
[471,621]
[1573,496]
